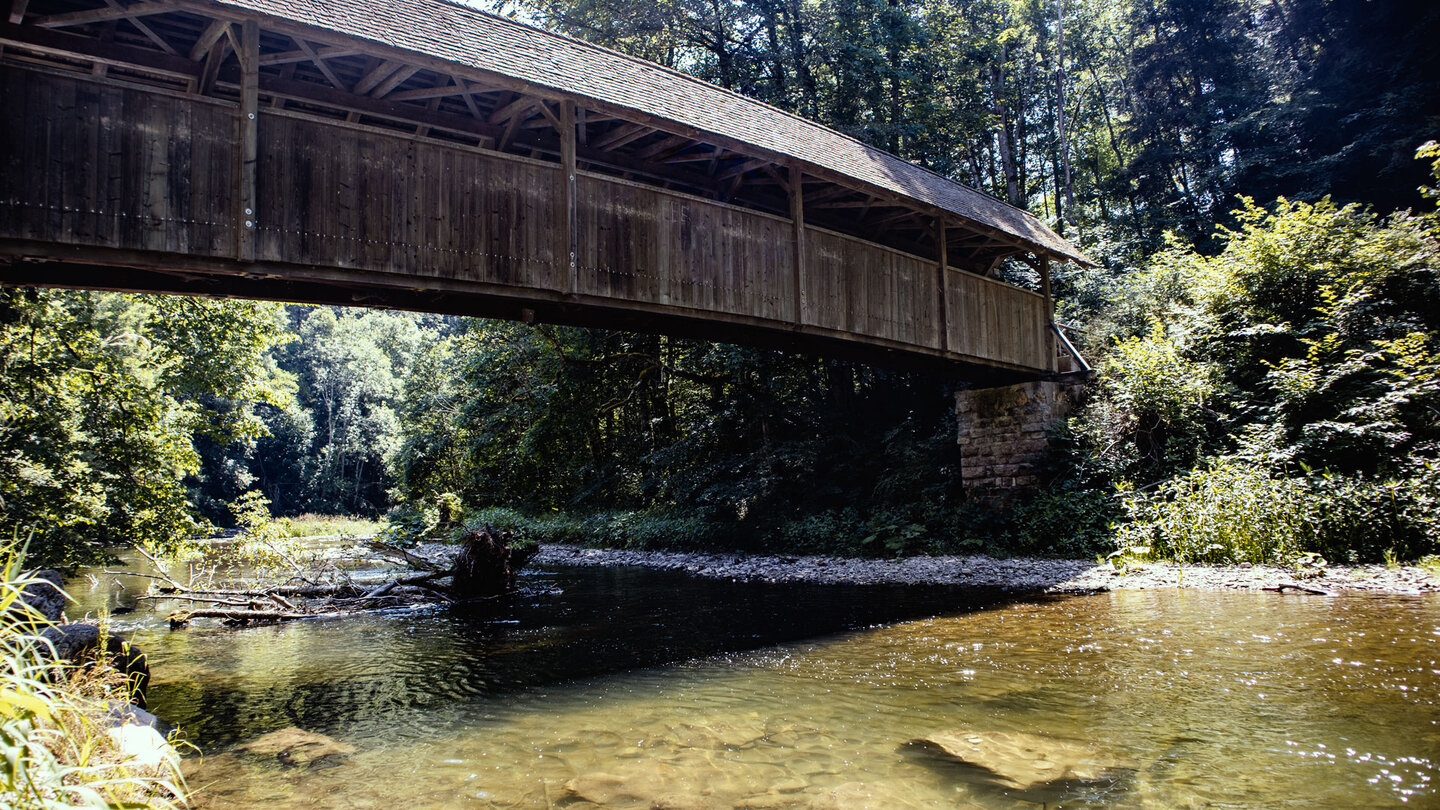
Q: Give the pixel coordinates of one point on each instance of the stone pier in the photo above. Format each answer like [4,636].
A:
[1004,434]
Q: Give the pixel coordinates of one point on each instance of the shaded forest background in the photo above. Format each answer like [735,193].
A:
[1265,321]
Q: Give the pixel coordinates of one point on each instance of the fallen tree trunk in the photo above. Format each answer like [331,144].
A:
[484,569]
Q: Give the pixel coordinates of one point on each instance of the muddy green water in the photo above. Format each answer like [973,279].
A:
[637,689]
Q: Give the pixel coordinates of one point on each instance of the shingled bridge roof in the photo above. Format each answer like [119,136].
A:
[570,67]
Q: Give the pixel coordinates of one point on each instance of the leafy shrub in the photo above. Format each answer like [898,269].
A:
[1360,520]
[1231,511]
[1071,522]
[830,531]
[264,543]
[1227,512]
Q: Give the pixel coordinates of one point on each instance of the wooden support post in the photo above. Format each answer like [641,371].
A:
[567,195]
[943,262]
[249,111]
[797,219]
[1043,265]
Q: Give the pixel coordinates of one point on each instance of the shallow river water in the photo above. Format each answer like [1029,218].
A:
[629,688]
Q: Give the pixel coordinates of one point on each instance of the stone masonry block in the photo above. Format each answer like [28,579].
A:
[1003,435]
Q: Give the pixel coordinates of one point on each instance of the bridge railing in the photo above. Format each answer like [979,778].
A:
[137,169]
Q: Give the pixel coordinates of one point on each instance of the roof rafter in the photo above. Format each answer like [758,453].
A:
[113,12]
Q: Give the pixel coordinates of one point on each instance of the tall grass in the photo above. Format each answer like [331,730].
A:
[309,525]
[55,751]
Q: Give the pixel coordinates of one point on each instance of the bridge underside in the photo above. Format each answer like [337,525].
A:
[191,148]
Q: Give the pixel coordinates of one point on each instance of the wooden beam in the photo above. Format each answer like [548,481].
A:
[774,176]
[427,93]
[17,10]
[102,14]
[511,124]
[146,29]
[205,83]
[621,135]
[508,111]
[211,35]
[551,117]
[942,262]
[107,34]
[898,216]
[570,242]
[655,150]
[742,169]
[248,148]
[319,62]
[797,227]
[1044,267]
[63,44]
[846,204]
[290,57]
[695,158]
[375,75]
[469,98]
[396,79]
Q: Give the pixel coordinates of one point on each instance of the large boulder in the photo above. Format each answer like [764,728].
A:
[79,644]
[46,595]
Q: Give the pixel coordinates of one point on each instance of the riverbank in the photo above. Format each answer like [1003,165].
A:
[1015,574]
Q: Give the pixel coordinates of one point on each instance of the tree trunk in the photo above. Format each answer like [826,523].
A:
[1068,187]
[1005,144]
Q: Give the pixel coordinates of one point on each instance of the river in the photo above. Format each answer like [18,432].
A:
[625,687]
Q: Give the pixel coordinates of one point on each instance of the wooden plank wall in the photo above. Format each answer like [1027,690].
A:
[856,286]
[92,164]
[101,164]
[996,321]
[646,244]
[338,196]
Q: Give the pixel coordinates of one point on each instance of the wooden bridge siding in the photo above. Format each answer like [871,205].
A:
[997,321]
[100,164]
[335,196]
[92,164]
[856,286]
[645,244]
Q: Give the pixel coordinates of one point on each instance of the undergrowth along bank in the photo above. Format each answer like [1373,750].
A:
[54,730]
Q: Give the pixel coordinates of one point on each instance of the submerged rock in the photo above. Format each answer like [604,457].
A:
[293,747]
[605,789]
[1017,760]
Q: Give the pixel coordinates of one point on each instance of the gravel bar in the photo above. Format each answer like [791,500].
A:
[1014,574]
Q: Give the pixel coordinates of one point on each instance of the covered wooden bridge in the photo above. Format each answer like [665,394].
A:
[419,154]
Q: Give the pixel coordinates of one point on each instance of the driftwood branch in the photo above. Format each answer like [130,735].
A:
[1291,586]
[483,570]
[400,553]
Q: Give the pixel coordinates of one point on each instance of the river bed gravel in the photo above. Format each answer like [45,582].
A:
[1016,573]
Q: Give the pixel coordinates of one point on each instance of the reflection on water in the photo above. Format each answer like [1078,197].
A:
[635,689]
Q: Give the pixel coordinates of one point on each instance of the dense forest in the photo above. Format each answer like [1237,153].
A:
[1265,321]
